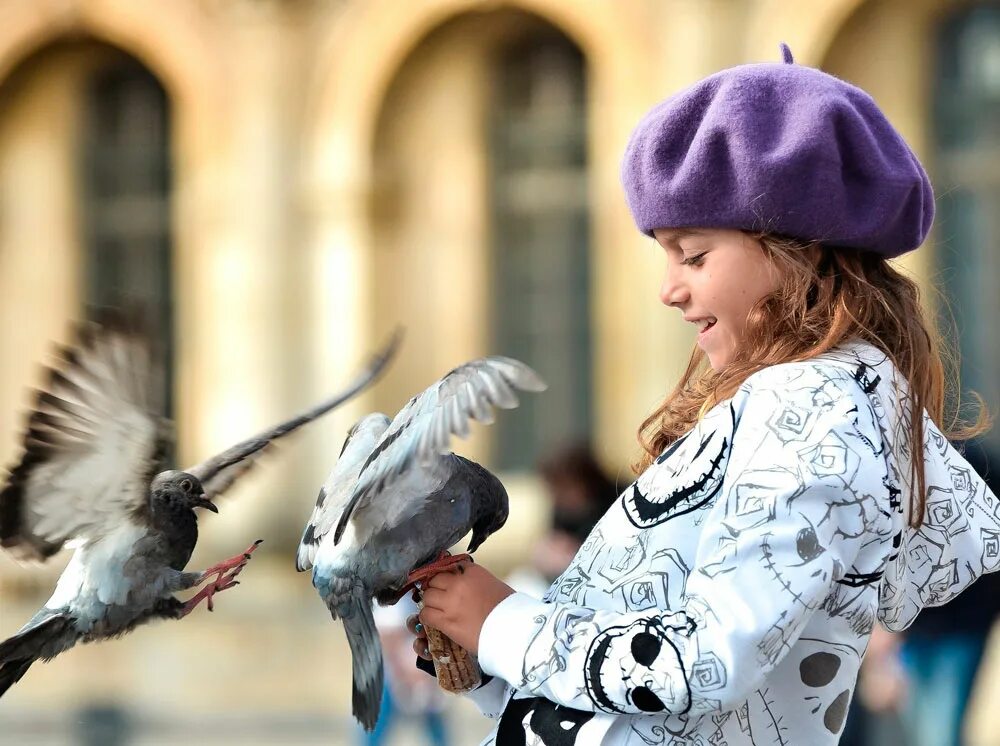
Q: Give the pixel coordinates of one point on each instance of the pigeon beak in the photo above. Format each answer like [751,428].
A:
[201,502]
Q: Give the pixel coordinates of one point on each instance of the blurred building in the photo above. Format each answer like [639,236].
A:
[278,183]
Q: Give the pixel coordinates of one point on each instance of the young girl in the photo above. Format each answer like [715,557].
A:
[797,486]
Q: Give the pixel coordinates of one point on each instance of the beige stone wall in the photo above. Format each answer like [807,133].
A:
[38,225]
[330,182]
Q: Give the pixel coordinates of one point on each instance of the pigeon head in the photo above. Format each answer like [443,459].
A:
[178,490]
[502,510]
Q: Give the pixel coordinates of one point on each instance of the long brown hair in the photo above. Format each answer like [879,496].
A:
[827,296]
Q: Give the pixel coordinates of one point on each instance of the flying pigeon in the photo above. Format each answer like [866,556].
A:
[398,498]
[90,478]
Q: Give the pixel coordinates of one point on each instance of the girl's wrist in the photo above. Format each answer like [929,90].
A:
[507,632]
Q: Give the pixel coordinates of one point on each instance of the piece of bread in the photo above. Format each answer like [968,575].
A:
[457,670]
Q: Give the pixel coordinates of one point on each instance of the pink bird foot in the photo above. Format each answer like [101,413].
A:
[225,573]
[443,563]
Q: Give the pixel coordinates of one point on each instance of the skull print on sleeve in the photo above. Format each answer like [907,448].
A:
[802,510]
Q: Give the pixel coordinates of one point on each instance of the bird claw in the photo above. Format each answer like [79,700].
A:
[237,563]
[419,577]
[223,581]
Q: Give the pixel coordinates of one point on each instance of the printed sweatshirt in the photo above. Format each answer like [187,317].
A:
[729,595]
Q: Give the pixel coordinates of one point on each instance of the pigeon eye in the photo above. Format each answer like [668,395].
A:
[186,485]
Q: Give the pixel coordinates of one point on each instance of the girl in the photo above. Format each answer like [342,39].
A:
[796,487]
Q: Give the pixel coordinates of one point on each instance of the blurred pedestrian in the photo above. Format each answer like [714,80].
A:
[875,716]
[944,647]
[412,702]
[579,492]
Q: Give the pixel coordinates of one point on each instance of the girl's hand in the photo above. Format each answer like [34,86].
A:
[458,602]
[420,642]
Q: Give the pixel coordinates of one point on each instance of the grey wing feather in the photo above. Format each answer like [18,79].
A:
[225,479]
[219,472]
[91,445]
[422,430]
[337,488]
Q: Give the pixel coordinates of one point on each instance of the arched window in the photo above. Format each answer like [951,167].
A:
[125,190]
[967,180]
[540,237]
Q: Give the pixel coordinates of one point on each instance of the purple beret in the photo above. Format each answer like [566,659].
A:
[780,148]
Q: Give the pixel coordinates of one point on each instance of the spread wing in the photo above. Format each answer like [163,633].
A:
[423,428]
[337,489]
[91,446]
[218,473]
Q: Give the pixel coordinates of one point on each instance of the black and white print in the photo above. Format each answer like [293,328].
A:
[729,595]
[689,475]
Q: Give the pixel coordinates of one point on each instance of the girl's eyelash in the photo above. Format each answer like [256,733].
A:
[695,260]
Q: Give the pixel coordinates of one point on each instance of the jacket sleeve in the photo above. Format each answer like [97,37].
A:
[490,697]
[801,496]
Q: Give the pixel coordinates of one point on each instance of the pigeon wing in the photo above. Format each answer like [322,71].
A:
[339,485]
[422,430]
[219,473]
[91,445]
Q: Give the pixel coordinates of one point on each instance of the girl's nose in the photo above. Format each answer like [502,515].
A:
[673,292]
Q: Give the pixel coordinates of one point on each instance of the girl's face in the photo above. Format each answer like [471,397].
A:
[714,277]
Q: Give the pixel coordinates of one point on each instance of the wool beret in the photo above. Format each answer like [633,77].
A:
[778,148]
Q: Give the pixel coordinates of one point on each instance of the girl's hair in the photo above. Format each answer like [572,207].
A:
[827,296]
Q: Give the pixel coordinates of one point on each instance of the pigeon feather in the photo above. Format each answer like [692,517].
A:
[218,473]
[90,449]
[422,430]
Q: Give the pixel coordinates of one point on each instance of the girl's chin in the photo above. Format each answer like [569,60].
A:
[718,359]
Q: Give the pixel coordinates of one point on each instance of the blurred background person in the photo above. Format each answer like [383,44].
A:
[578,491]
[412,702]
[914,688]
[875,717]
[943,649]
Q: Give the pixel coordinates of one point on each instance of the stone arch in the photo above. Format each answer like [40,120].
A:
[176,49]
[342,112]
[345,100]
[808,28]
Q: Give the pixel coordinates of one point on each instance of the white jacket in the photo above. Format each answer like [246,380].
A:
[728,596]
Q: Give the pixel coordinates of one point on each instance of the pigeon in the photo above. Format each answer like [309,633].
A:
[397,499]
[90,478]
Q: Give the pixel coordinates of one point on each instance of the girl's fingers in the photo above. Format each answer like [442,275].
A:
[435,598]
[442,580]
[417,630]
[430,617]
[420,648]
[448,578]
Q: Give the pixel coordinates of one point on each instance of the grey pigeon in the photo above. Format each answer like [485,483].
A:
[90,477]
[398,498]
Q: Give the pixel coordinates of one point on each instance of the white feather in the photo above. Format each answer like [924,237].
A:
[95,577]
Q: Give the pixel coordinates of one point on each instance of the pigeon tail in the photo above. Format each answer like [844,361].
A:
[11,673]
[354,607]
[42,640]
